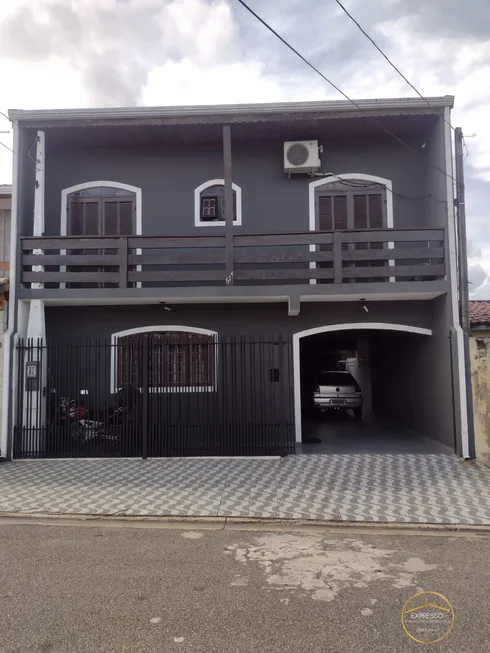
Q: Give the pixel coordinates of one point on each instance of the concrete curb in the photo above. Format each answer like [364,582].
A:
[238,523]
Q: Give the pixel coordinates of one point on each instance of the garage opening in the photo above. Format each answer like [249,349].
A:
[371,390]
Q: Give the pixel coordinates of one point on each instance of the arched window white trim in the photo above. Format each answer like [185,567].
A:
[211,387]
[197,204]
[353,176]
[97,184]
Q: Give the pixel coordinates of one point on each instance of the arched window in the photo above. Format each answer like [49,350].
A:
[101,208]
[349,202]
[165,359]
[209,204]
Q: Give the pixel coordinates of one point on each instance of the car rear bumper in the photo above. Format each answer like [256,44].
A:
[337,402]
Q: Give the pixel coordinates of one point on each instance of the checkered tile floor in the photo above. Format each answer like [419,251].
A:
[423,488]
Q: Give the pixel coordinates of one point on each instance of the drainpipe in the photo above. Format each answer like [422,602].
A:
[464,302]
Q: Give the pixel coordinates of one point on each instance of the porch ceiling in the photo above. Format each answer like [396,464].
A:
[331,128]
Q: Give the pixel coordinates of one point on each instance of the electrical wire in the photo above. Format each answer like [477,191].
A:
[8,148]
[382,53]
[353,102]
[393,65]
[30,150]
[352,184]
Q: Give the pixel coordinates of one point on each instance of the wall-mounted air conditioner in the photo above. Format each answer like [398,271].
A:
[301,157]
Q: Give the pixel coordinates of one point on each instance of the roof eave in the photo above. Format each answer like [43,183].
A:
[230,110]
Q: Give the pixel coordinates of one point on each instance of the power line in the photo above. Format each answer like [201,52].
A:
[352,184]
[8,148]
[381,52]
[387,58]
[358,107]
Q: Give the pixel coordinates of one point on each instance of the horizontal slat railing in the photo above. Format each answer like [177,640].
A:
[356,256]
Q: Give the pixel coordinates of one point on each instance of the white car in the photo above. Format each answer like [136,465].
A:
[338,391]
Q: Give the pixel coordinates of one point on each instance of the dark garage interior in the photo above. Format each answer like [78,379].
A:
[405,395]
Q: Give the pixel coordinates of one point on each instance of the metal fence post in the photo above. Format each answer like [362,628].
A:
[146,386]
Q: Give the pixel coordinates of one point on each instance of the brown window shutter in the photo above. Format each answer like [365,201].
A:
[127,210]
[118,217]
[111,221]
[75,219]
[375,203]
[340,212]
[360,212]
[83,218]
[91,218]
[325,217]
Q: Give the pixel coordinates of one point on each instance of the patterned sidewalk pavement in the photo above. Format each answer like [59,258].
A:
[420,488]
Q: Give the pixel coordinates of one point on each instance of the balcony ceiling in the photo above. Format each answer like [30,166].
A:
[413,127]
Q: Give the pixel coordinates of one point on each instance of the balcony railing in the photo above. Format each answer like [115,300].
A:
[341,257]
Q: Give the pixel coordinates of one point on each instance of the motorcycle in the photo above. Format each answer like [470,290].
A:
[108,425]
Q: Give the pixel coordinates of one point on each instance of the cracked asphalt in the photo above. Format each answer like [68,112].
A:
[69,587]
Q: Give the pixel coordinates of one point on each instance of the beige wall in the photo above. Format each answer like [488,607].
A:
[480,377]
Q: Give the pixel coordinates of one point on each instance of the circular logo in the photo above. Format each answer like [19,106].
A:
[427,617]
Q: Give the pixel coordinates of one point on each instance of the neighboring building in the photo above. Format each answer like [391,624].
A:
[480,375]
[5,210]
[206,255]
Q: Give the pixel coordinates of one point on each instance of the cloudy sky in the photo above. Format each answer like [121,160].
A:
[72,53]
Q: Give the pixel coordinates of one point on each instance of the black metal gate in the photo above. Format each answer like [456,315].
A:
[153,395]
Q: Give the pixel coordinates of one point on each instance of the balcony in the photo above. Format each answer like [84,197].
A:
[308,266]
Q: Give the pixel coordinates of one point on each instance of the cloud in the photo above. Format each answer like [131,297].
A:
[114,45]
[60,53]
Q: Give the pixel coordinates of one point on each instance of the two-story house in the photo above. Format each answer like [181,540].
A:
[214,260]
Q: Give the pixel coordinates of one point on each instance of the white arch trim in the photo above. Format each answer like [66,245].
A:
[94,184]
[354,176]
[379,326]
[197,204]
[157,329]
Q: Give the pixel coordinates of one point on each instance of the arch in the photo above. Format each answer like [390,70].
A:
[197,204]
[94,184]
[358,326]
[166,328]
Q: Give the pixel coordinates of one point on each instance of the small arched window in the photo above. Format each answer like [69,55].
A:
[209,204]
[165,359]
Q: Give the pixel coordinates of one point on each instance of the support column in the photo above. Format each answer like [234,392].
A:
[360,368]
[38,227]
[464,300]
[34,370]
[228,179]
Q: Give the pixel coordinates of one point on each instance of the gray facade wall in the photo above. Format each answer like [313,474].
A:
[239,319]
[168,175]
[412,379]
[411,374]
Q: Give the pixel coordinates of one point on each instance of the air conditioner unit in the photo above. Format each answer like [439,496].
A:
[301,157]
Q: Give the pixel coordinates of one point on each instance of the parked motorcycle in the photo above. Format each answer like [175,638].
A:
[108,424]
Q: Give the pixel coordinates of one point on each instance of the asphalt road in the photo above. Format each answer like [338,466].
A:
[74,589]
